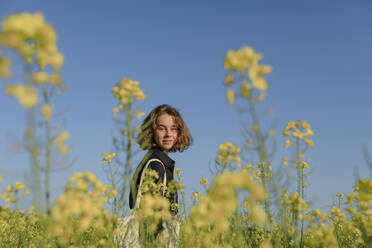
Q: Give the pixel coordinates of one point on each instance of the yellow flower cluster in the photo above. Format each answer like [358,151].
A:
[154,207]
[317,214]
[265,170]
[53,79]
[362,195]
[60,140]
[195,196]
[127,91]
[300,130]
[245,61]
[107,157]
[81,210]
[4,67]
[204,181]
[11,191]
[32,38]
[26,95]
[302,165]
[228,153]
[347,233]
[209,219]
[47,112]
[320,236]
[294,202]
[340,196]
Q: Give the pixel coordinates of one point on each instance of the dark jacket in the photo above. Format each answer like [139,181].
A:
[158,167]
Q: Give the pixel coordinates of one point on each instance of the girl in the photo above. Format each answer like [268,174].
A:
[162,131]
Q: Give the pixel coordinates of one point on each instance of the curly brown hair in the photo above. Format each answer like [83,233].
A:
[146,135]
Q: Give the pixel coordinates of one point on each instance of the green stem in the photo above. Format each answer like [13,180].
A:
[128,164]
[260,147]
[114,207]
[301,189]
[47,155]
[36,187]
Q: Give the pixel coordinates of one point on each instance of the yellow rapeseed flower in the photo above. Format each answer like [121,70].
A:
[230,95]
[26,95]
[56,60]
[260,83]
[177,172]
[138,114]
[19,186]
[288,143]
[285,160]
[286,133]
[40,77]
[26,192]
[245,90]
[309,142]
[229,79]
[298,134]
[204,181]
[127,90]
[47,111]
[4,67]
[339,195]
[290,126]
[108,156]
[60,140]
[308,132]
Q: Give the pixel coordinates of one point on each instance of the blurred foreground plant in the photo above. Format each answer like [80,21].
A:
[29,36]
[125,116]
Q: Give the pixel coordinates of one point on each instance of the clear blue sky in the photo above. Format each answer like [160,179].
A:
[320,52]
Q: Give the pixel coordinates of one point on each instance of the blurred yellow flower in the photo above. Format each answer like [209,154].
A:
[288,143]
[309,142]
[177,172]
[139,114]
[60,140]
[290,126]
[260,83]
[245,90]
[107,157]
[308,132]
[285,160]
[47,111]
[286,133]
[204,181]
[40,77]
[229,79]
[19,186]
[56,60]
[20,29]
[26,95]
[127,90]
[27,192]
[4,67]
[230,96]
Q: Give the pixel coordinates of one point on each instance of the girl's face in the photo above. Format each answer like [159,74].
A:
[166,132]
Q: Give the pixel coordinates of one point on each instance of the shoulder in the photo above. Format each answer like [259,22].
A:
[155,164]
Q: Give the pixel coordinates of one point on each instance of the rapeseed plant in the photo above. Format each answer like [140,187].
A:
[223,217]
[36,42]
[125,116]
